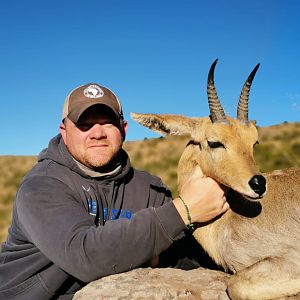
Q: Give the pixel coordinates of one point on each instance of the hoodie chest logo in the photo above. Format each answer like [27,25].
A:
[92,204]
[114,213]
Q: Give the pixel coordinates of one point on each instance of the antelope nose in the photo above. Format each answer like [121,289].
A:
[258,184]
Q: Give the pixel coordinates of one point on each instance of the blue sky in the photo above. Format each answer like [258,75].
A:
[155,55]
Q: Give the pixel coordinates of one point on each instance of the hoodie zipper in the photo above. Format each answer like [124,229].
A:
[102,200]
[100,208]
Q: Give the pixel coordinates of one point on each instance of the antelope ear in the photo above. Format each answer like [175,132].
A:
[166,124]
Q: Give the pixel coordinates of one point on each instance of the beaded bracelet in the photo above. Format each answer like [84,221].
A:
[190,226]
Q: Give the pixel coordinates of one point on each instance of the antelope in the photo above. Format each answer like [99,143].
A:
[258,238]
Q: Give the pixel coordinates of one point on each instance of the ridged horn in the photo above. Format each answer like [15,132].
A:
[242,110]
[216,111]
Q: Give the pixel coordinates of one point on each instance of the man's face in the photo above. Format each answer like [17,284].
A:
[95,140]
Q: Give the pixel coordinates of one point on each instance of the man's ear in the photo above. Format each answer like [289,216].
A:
[124,127]
[62,130]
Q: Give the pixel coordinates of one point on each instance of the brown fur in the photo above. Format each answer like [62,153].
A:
[257,239]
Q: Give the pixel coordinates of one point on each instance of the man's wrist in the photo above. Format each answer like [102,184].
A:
[181,210]
[190,225]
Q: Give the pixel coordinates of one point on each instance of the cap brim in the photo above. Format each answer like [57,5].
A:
[75,115]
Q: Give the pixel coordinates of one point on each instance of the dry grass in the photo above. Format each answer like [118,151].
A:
[13,169]
[158,156]
[279,148]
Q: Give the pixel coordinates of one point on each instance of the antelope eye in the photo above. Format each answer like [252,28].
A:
[215,144]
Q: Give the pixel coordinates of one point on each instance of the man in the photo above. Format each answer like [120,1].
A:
[83,212]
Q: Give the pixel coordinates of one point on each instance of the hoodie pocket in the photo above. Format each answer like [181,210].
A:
[30,289]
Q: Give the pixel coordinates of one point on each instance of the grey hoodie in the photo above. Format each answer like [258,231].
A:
[69,228]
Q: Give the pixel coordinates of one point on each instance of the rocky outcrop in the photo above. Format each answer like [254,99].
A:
[158,284]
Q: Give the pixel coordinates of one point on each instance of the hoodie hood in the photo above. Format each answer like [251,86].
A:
[58,152]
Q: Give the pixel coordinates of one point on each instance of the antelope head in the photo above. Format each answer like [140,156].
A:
[220,147]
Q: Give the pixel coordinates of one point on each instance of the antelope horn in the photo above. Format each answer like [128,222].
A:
[216,111]
[242,110]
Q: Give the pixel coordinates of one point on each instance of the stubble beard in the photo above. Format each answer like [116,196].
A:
[97,161]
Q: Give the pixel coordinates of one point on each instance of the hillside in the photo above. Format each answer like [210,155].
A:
[279,148]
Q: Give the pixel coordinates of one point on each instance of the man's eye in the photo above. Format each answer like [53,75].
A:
[215,144]
[88,126]
[84,126]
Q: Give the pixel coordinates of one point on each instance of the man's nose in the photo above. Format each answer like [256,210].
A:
[97,131]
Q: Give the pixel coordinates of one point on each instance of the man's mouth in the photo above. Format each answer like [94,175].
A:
[98,146]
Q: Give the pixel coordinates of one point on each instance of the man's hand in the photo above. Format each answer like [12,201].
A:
[204,198]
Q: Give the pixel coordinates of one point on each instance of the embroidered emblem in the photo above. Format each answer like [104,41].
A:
[93,91]
[86,189]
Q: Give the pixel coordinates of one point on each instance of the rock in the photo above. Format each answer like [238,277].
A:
[158,284]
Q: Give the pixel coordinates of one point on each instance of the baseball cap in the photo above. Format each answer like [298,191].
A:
[85,96]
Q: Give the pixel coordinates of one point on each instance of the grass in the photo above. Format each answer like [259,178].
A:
[13,170]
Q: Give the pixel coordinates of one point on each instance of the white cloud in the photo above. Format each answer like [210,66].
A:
[295,99]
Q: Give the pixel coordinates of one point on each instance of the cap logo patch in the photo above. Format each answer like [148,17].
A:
[93,91]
